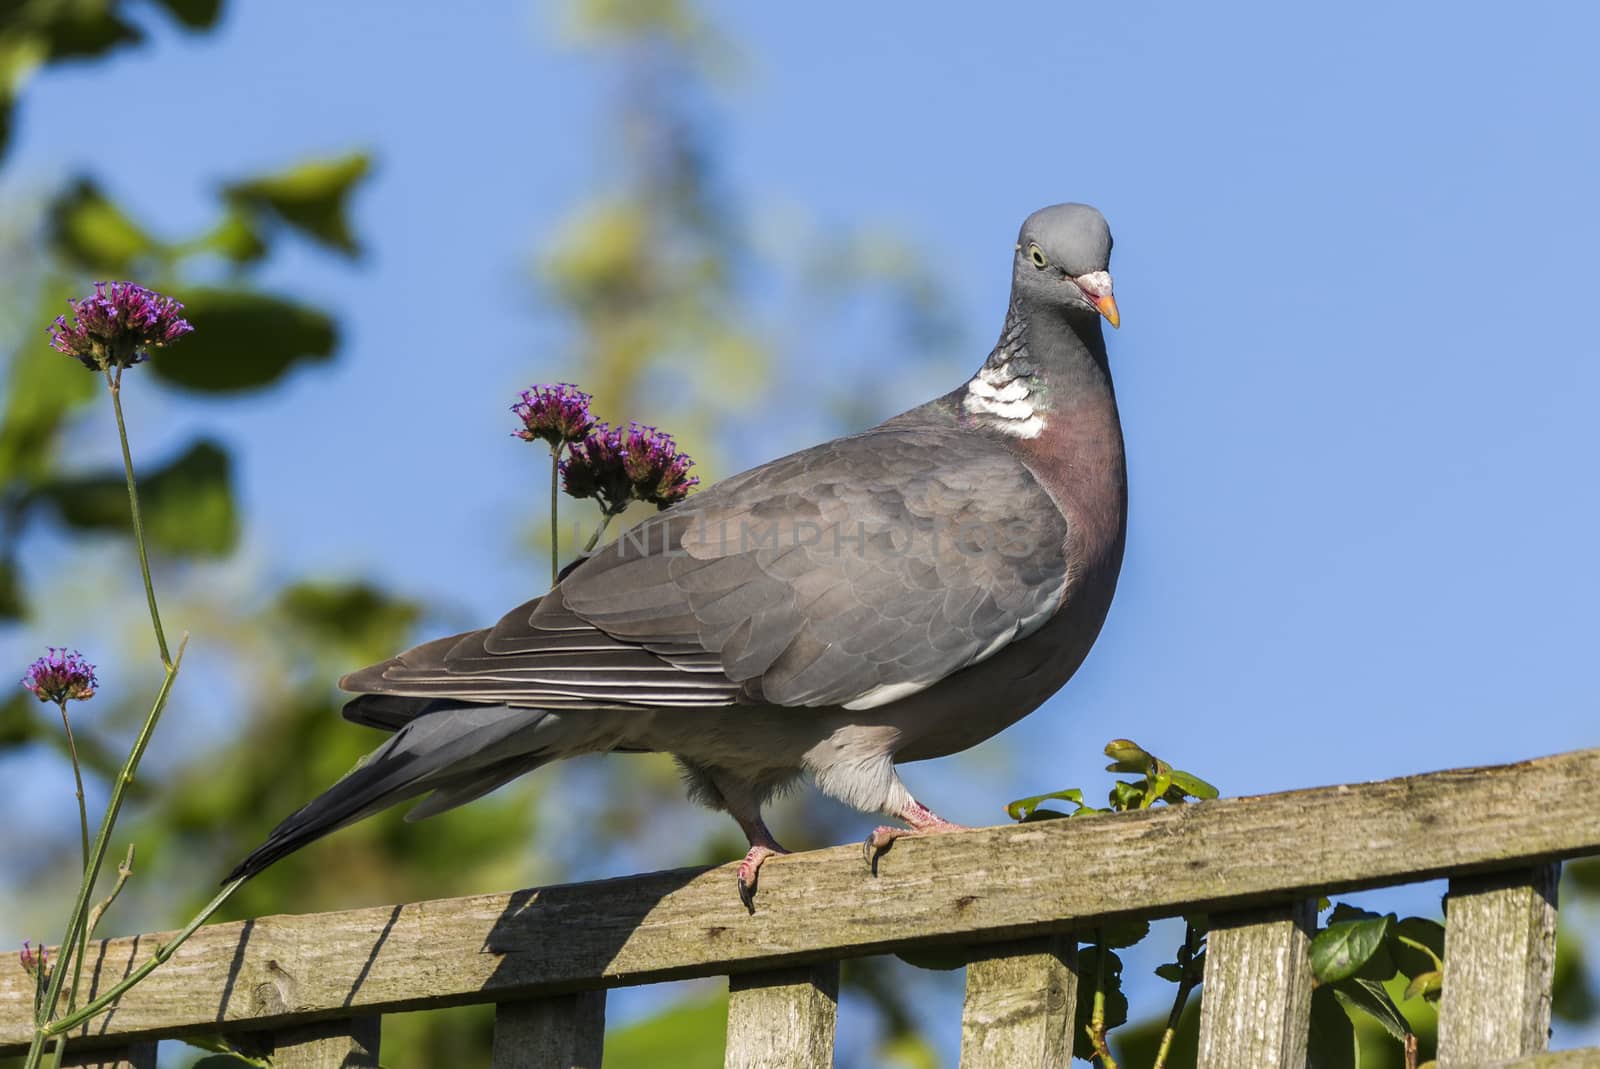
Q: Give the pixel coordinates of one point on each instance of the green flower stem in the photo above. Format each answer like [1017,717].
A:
[607,515]
[124,871]
[114,383]
[1173,1020]
[1097,1016]
[163,952]
[77,776]
[76,927]
[1186,987]
[555,500]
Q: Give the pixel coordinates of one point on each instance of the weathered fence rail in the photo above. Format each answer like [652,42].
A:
[312,987]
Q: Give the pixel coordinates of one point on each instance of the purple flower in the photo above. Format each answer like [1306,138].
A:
[61,676]
[118,325]
[618,466]
[594,468]
[658,470]
[556,414]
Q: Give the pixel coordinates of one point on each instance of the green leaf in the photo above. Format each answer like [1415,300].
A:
[236,237]
[194,14]
[1332,1042]
[1127,756]
[1124,795]
[80,30]
[1572,996]
[187,504]
[1340,950]
[1425,985]
[1418,946]
[1119,934]
[243,341]
[1584,874]
[351,615]
[1023,808]
[313,198]
[1369,997]
[936,958]
[1157,787]
[1170,971]
[13,602]
[1192,785]
[92,232]
[43,387]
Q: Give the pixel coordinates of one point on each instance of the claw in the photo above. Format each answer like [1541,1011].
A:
[747,894]
[750,873]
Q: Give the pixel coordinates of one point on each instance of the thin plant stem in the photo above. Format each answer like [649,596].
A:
[555,501]
[124,871]
[607,515]
[1173,1020]
[1186,986]
[114,383]
[1097,1016]
[73,940]
[77,776]
[163,952]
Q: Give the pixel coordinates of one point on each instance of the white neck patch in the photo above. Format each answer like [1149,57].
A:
[1001,394]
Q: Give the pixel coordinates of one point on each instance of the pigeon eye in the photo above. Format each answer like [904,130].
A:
[1037,256]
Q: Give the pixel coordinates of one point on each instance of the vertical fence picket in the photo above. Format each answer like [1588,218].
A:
[133,1056]
[563,1032]
[1021,998]
[782,1019]
[1499,962]
[346,1043]
[1255,1007]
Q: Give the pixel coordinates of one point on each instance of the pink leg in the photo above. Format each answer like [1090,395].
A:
[762,846]
[923,821]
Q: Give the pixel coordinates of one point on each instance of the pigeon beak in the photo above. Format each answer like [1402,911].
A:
[1108,308]
[1096,286]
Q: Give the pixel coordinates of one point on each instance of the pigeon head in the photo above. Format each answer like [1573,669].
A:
[1063,253]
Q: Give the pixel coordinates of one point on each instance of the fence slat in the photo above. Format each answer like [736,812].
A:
[133,1056]
[1255,1006]
[1021,998]
[782,1019]
[1587,1058]
[347,1043]
[562,1032]
[1499,961]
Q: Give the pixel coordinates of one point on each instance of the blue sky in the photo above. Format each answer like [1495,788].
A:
[1357,366]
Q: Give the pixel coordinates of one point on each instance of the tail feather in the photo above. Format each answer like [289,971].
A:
[461,752]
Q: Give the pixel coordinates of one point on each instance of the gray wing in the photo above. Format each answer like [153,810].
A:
[850,574]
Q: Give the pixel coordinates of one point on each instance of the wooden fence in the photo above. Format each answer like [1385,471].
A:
[313,988]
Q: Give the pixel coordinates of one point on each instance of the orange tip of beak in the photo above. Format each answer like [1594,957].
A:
[1108,308]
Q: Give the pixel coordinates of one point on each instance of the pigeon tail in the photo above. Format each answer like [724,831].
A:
[459,753]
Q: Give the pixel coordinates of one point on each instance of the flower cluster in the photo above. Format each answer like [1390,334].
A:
[637,464]
[61,676]
[658,470]
[33,960]
[118,326]
[558,414]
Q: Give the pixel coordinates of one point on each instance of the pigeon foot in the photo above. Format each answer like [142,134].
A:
[923,821]
[750,870]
